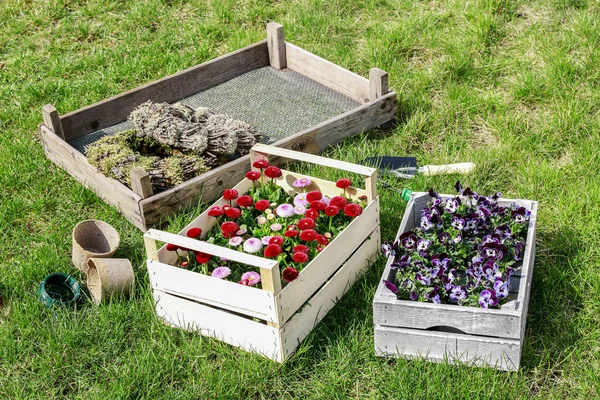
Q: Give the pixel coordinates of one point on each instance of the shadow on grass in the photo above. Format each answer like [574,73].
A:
[552,332]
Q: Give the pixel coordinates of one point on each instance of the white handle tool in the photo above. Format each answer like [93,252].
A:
[461,168]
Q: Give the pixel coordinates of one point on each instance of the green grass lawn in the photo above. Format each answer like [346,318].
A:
[513,86]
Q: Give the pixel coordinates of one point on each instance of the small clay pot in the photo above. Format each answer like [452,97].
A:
[108,277]
[92,238]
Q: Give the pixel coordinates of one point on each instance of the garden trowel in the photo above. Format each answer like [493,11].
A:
[406,167]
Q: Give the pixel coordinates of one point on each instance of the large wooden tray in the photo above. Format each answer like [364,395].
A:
[375,105]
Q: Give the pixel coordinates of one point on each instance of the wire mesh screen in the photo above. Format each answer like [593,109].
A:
[278,103]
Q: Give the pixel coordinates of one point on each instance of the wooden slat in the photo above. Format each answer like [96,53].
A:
[294,332]
[378,82]
[276,45]
[169,89]
[327,262]
[320,137]
[205,289]
[76,164]
[241,332]
[140,182]
[328,73]
[264,149]
[52,120]
[502,354]
[209,248]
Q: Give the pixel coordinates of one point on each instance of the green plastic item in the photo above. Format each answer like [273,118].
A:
[59,289]
[406,193]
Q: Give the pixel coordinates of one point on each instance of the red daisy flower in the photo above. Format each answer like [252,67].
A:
[202,258]
[273,172]
[291,232]
[276,240]
[308,235]
[172,247]
[319,249]
[343,183]
[253,175]
[306,223]
[322,240]
[315,195]
[272,250]
[215,211]
[289,274]
[244,201]
[229,229]
[262,205]
[233,212]
[262,164]
[230,194]
[194,233]
[353,210]
[300,257]
[339,202]
[317,205]
[312,214]
[331,211]
[243,282]
[301,249]
[184,264]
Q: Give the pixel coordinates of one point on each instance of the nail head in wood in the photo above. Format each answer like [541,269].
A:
[276,45]
[140,182]
[52,120]
[378,80]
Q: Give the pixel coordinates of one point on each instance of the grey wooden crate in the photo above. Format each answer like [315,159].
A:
[439,332]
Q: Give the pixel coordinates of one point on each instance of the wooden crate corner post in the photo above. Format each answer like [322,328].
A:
[276,45]
[52,120]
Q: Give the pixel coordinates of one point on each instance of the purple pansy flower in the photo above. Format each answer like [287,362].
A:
[423,244]
[458,223]
[452,205]
[413,296]
[487,298]
[402,262]
[457,293]
[393,288]
[521,214]
[408,240]
[501,288]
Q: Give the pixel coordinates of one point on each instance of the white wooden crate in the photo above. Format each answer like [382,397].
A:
[438,332]
[229,311]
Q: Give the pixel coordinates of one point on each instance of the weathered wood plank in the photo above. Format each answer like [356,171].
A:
[301,324]
[276,45]
[328,73]
[367,116]
[327,262]
[52,120]
[76,164]
[238,331]
[140,182]
[438,346]
[378,82]
[212,291]
[169,89]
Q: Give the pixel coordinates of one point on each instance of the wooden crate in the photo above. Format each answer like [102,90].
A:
[271,321]
[376,106]
[439,332]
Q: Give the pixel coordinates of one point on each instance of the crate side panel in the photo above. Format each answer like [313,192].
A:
[171,88]
[504,354]
[241,332]
[319,137]
[110,190]
[212,291]
[327,262]
[301,324]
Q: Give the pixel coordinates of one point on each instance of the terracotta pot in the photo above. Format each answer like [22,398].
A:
[108,277]
[92,238]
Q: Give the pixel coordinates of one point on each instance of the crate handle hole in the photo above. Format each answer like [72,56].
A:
[444,328]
